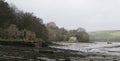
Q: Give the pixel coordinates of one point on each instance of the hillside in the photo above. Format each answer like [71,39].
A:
[21,20]
[111,35]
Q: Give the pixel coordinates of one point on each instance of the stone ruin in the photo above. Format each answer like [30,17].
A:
[12,32]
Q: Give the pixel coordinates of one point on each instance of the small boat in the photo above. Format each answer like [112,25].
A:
[109,42]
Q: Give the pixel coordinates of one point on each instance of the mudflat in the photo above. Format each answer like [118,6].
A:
[13,53]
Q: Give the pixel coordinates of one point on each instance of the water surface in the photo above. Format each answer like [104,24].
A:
[96,47]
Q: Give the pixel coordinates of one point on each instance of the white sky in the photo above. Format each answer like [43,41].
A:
[90,14]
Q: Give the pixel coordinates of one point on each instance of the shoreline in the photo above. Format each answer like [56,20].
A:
[91,56]
[13,53]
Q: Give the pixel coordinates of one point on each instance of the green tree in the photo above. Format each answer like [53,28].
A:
[6,14]
[30,22]
[55,33]
[80,34]
[23,20]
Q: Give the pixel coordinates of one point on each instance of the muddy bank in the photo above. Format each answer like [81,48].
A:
[29,53]
[12,53]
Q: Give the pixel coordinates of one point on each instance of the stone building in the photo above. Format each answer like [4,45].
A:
[12,32]
[29,34]
[73,39]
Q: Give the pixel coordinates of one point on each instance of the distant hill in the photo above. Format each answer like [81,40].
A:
[111,35]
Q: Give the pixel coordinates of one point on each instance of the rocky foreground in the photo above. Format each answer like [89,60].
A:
[12,53]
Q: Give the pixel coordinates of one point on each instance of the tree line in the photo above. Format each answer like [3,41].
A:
[61,34]
[25,20]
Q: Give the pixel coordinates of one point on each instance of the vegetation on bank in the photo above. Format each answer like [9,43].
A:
[25,20]
[61,34]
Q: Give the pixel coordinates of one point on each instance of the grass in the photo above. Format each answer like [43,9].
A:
[116,34]
[105,34]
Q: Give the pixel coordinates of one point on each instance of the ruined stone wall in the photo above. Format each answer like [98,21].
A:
[12,32]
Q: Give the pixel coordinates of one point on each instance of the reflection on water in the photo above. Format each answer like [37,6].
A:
[96,47]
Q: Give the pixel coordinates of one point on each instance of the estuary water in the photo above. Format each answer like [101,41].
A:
[96,47]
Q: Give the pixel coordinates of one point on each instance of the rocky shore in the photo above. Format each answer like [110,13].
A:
[12,53]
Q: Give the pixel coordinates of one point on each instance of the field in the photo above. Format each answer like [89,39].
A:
[111,35]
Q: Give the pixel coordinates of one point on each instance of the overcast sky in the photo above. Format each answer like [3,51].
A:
[90,14]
